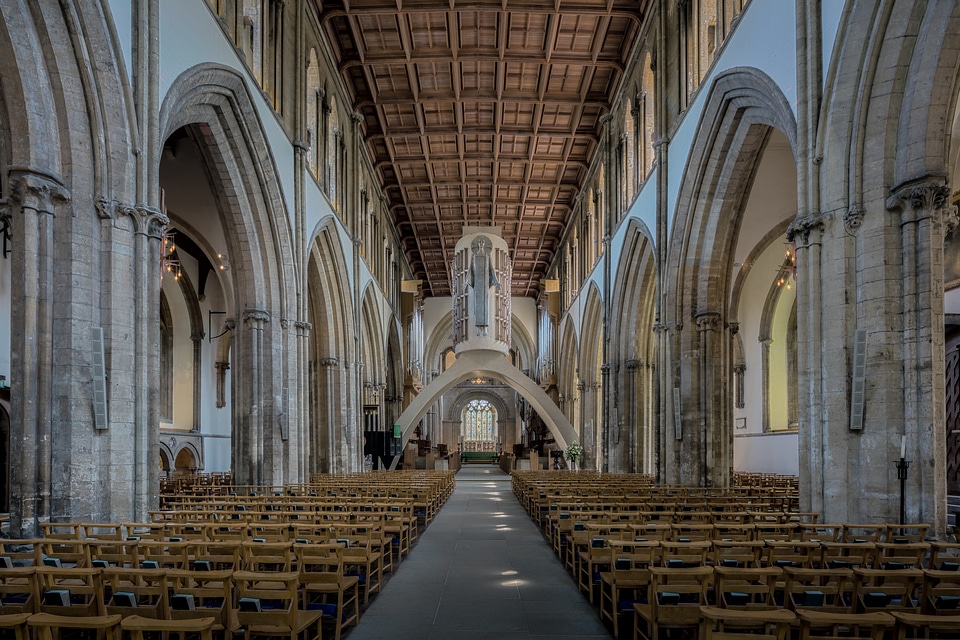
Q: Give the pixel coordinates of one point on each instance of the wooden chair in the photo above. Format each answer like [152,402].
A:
[140,592]
[201,594]
[848,555]
[741,624]
[941,592]
[676,596]
[324,586]
[71,591]
[791,553]
[899,555]
[684,554]
[736,553]
[44,624]
[925,626]
[204,555]
[268,605]
[592,562]
[137,627]
[19,590]
[362,561]
[630,565]
[826,624]
[17,623]
[945,552]
[887,590]
[822,589]
[746,587]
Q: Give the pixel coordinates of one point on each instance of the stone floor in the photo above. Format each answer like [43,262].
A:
[480,570]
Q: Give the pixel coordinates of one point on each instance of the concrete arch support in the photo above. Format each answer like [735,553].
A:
[493,364]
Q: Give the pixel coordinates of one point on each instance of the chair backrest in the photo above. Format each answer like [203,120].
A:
[71,591]
[19,590]
[746,587]
[774,624]
[887,589]
[684,554]
[828,624]
[198,594]
[267,556]
[822,589]
[130,591]
[267,599]
[137,626]
[677,594]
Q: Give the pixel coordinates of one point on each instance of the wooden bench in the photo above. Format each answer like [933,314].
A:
[479,457]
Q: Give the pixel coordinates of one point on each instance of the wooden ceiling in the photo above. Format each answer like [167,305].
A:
[481,113]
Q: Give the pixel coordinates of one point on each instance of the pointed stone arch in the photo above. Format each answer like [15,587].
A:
[634,313]
[742,107]
[493,364]
[593,431]
[567,360]
[334,445]
[213,103]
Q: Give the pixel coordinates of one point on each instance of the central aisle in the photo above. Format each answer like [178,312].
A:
[480,570]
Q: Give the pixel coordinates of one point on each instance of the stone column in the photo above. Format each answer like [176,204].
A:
[327,440]
[34,199]
[714,430]
[807,233]
[249,432]
[150,225]
[635,441]
[925,209]
[302,435]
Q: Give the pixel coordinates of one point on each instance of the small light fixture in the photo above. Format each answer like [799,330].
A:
[224,263]
[169,261]
[787,273]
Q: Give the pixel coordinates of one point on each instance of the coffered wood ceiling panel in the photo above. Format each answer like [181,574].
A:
[481,113]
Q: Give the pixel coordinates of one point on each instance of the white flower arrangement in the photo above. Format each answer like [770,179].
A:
[574,451]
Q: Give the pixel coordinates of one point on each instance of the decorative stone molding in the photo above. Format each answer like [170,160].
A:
[303,325]
[707,320]
[633,365]
[329,362]
[922,197]
[800,229]
[256,315]
[37,192]
[734,328]
[853,217]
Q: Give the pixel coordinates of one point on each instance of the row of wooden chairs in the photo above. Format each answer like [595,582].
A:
[46,626]
[325,580]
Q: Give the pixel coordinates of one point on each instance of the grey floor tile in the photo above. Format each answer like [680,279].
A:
[480,570]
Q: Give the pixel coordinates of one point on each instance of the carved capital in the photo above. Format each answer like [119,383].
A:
[853,217]
[356,118]
[256,316]
[920,197]
[734,328]
[707,320]
[229,324]
[37,192]
[800,229]
[739,368]
[303,325]
[633,365]
[329,362]
[660,328]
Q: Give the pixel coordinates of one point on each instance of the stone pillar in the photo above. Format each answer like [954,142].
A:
[635,441]
[715,433]
[249,432]
[924,207]
[807,233]
[150,225]
[326,439]
[35,199]
[302,436]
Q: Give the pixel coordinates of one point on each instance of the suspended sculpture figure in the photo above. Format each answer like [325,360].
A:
[483,277]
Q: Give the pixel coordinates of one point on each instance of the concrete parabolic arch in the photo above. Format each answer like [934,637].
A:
[493,364]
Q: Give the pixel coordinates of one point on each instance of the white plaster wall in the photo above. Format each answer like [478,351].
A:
[191,35]
[767,453]
[951,301]
[755,288]
[769,27]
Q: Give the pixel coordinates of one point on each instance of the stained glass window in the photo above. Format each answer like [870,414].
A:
[479,421]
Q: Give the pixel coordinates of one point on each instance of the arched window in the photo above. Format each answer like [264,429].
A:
[333,150]
[646,114]
[314,110]
[630,170]
[478,426]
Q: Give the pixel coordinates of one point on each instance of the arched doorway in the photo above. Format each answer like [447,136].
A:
[478,426]
[186,462]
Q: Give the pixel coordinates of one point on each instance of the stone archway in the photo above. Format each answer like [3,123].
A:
[492,364]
